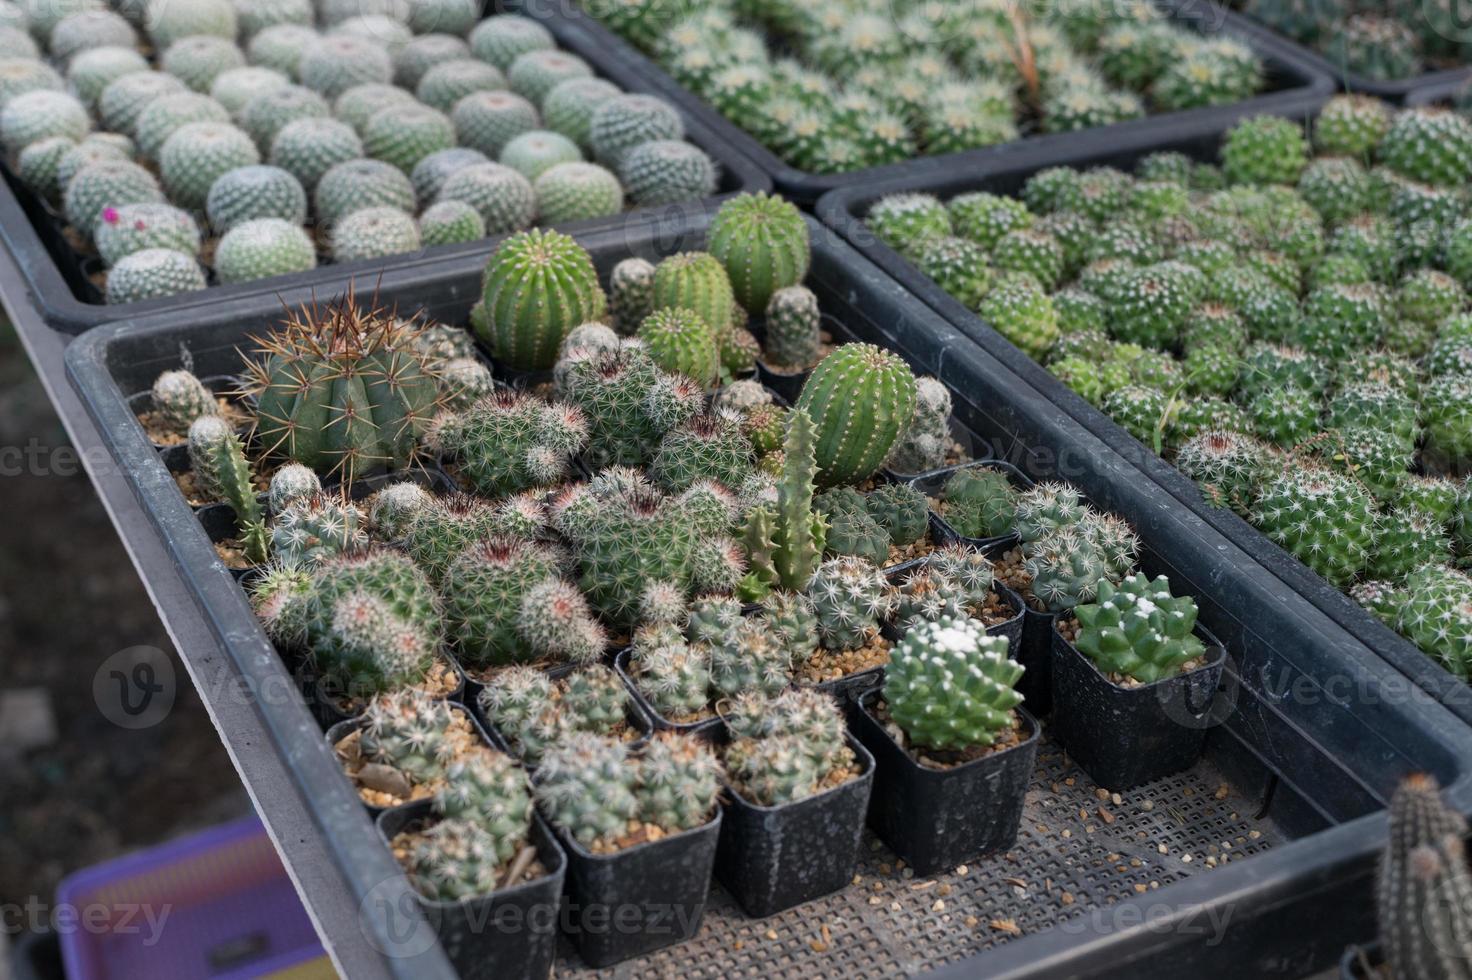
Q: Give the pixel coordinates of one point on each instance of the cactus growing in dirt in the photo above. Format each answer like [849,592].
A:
[1423,889]
[980,502]
[1046,509]
[508,441]
[1139,629]
[762,241]
[785,747]
[538,285]
[784,542]
[406,730]
[181,398]
[1067,568]
[463,858]
[587,786]
[342,390]
[951,686]
[314,528]
[370,621]
[860,398]
[489,790]
[679,778]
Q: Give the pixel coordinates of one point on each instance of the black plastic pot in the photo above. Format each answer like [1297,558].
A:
[1126,736]
[1292,79]
[771,858]
[58,276]
[938,818]
[640,899]
[844,211]
[510,933]
[1316,728]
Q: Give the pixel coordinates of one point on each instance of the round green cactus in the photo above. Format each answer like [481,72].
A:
[505,199]
[577,191]
[668,172]
[429,175]
[502,38]
[253,192]
[374,233]
[447,83]
[451,223]
[569,108]
[333,64]
[280,47]
[487,121]
[1325,519]
[626,121]
[680,341]
[356,184]
[199,59]
[1139,630]
[196,155]
[762,241]
[37,115]
[121,102]
[951,686]
[134,227]
[269,112]
[861,400]
[308,148]
[532,153]
[534,74]
[538,285]
[151,273]
[262,247]
[586,786]
[507,442]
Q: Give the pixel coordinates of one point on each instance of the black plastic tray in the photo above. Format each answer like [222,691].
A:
[844,210]
[1292,80]
[71,303]
[1399,90]
[1316,729]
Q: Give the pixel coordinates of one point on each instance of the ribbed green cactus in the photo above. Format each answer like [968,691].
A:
[1139,629]
[679,779]
[785,542]
[695,281]
[951,686]
[794,328]
[980,502]
[1423,890]
[538,285]
[860,399]
[762,241]
[681,342]
[342,390]
[508,441]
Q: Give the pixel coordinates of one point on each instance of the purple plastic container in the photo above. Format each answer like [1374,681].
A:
[216,904]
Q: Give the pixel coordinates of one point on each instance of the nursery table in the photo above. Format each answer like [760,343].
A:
[275,790]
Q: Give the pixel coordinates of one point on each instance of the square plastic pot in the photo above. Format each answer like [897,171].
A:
[771,858]
[938,818]
[510,934]
[640,899]
[1124,737]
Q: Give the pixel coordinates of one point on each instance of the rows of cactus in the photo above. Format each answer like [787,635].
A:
[1290,326]
[1380,41]
[863,83]
[288,129]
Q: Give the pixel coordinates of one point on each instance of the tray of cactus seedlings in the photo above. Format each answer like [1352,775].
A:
[1290,334]
[824,96]
[316,133]
[586,598]
[1391,51]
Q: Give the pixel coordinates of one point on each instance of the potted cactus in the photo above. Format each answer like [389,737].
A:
[799,786]
[529,710]
[640,832]
[954,747]
[487,871]
[1134,677]
[958,581]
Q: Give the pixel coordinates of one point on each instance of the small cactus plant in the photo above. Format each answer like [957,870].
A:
[860,399]
[950,686]
[538,286]
[1423,890]
[1139,630]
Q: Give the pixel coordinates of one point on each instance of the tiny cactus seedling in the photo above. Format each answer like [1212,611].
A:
[950,686]
[181,398]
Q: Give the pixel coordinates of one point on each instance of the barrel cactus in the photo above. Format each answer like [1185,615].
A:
[861,399]
[538,285]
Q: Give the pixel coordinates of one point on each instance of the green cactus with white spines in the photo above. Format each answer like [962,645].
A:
[1408,538]
[445,526]
[253,192]
[234,88]
[679,780]
[785,748]
[1325,519]
[308,148]
[901,510]
[289,484]
[280,47]
[392,509]
[36,115]
[94,70]
[336,63]
[370,621]
[904,221]
[404,135]
[488,121]
[463,381]
[538,285]
[269,112]
[672,674]
[1229,466]
[749,657]
[298,394]
[980,502]
[199,59]
[1023,312]
[505,602]
[625,121]
[785,541]
[373,233]
[447,83]
[107,184]
[926,443]
[312,529]
[1066,569]
[630,294]
[450,223]
[577,191]
[681,342]
[152,273]
[416,55]
[860,399]
[925,595]
[587,787]
[261,248]
[181,398]
[851,599]
[502,38]
[1139,629]
[504,198]
[950,686]
[407,730]
[1434,616]
[629,402]
[515,701]
[762,241]
[488,792]
[195,155]
[38,165]
[794,321]
[698,282]
[508,442]
[429,175]
[1046,509]
[1448,419]
[668,172]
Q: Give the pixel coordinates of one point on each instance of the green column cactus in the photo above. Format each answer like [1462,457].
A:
[860,398]
[238,489]
[537,286]
[951,686]
[794,323]
[785,543]
[762,241]
[1423,890]
[1139,629]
